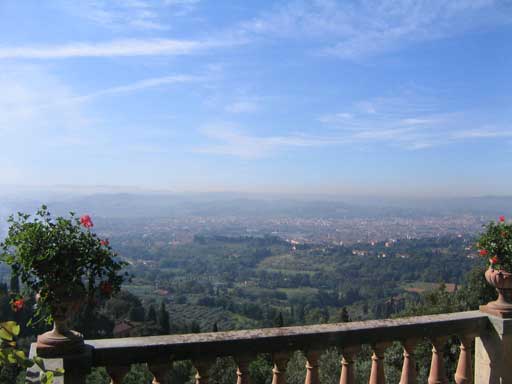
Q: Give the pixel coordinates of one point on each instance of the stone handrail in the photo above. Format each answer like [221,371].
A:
[159,351]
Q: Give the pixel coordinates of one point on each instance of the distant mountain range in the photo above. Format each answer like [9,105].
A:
[126,205]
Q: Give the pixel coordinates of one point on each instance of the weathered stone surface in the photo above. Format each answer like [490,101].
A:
[76,367]
[493,353]
[195,346]
[32,375]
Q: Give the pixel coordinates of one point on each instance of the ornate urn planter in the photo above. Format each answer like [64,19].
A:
[61,340]
[502,281]
[495,244]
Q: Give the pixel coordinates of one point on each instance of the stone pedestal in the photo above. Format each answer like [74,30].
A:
[493,353]
[76,367]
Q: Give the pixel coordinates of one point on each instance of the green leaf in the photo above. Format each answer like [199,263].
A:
[4,335]
[27,363]
[12,358]
[12,327]
[48,378]
[39,362]
[3,357]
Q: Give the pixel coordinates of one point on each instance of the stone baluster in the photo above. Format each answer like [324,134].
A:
[117,373]
[464,373]
[202,370]
[312,367]
[409,367]
[347,364]
[242,371]
[437,373]
[377,372]
[160,372]
[280,360]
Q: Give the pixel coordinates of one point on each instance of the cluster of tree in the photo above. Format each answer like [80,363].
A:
[250,278]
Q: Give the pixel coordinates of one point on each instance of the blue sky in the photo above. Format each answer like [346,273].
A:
[352,97]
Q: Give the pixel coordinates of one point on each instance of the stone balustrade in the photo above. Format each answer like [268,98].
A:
[159,352]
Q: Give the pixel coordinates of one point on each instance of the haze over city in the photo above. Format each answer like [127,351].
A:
[351,98]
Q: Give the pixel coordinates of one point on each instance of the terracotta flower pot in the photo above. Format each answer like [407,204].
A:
[61,340]
[502,281]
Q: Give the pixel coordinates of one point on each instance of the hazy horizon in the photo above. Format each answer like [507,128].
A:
[92,190]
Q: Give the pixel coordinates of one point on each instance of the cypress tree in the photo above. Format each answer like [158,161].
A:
[163,320]
[279,321]
[300,314]
[325,315]
[195,327]
[344,316]
[151,317]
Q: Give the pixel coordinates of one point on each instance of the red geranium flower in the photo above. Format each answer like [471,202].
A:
[502,219]
[86,221]
[106,288]
[17,305]
[494,260]
[483,252]
[105,243]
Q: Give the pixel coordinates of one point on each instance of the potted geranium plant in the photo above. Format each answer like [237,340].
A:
[495,244]
[65,265]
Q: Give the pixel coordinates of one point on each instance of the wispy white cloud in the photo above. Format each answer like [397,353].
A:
[182,7]
[126,47]
[368,106]
[116,14]
[365,28]
[41,116]
[401,122]
[335,118]
[24,122]
[138,86]
[418,121]
[345,29]
[242,106]
[228,139]
[130,14]
[482,133]
[409,121]
[68,98]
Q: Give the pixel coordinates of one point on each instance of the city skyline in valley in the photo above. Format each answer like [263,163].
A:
[374,98]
